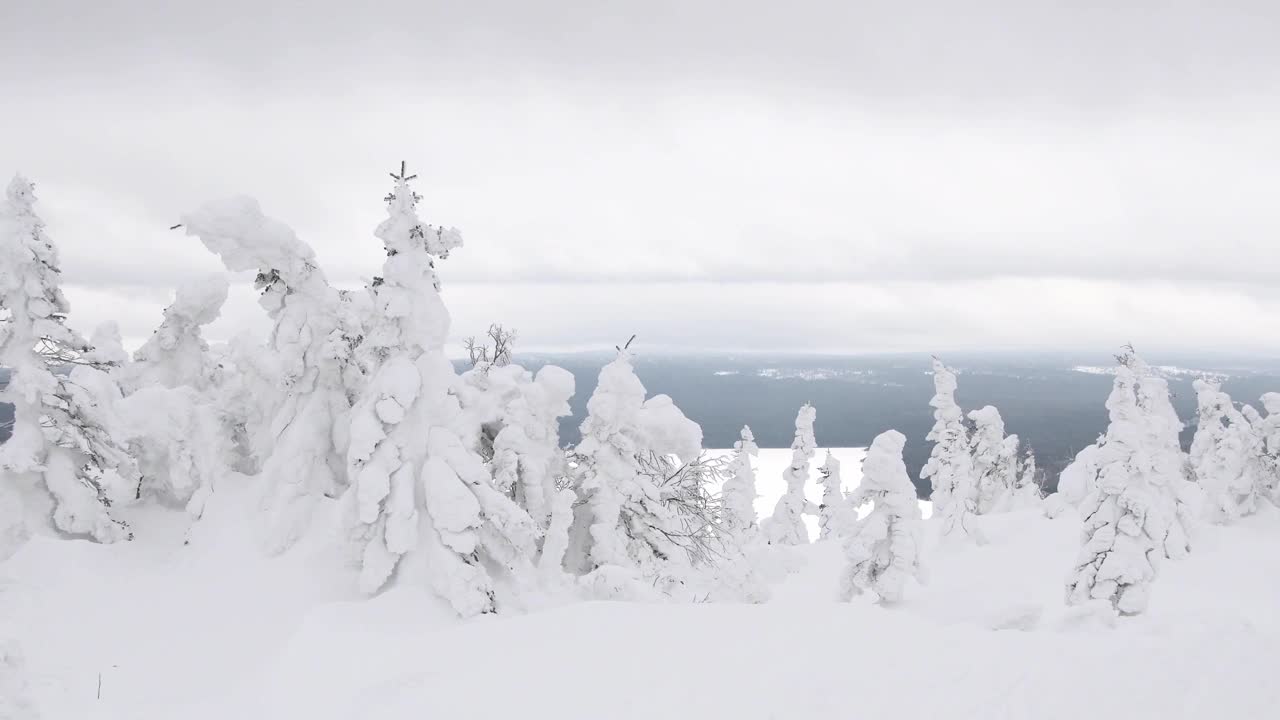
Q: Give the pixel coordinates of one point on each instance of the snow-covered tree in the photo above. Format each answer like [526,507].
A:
[1026,490]
[641,519]
[1133,514]
[65,446]
[950,466]
[1267,431]
[786,525]
[835,516]
[511,419]
[883,549]
[419,489]
[311,344]
[738,496]
[1225,455]
[176,354]
[995,460]
[1170,469]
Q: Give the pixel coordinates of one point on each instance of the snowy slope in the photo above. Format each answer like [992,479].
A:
[213,630]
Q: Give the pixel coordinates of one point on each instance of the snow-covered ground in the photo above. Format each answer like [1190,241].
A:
[211,629]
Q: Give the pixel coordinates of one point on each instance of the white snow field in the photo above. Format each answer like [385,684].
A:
[213,629]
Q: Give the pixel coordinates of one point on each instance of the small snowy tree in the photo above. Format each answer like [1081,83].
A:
[642,519]
[1026,490]
[738,514]
[995,460]
[176,354]
[786,525]
[511,419]
[835,516]
[63,439]
[311,344]
[1225,455]
[1267,433]
[883,550]
[950,466]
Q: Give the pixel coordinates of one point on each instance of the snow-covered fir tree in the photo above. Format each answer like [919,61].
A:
[419,490]
[835,515]
[511,418]
[1170,469]
[1026,490]
[738,496]
[176,354]
[64,449]
[786,525]
[311,346]
[1133,515]
[950,465]
[995,460]
[1267,431]
[883,549]
[639,525]
[1225,455]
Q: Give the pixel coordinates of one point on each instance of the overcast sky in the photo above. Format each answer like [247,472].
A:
[800,175]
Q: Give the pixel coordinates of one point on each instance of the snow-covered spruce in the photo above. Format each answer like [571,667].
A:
[1267,430]
[786,525]
[950,466]
[995,460]
[418,489]
[176,354]
[64,447]
[311,341]
[511,419]
[642,522]
[738,496]
[1132,516]
[181,438]
[835,516]
[1225,455]
[883,548]
[1026,490]
[1170,469]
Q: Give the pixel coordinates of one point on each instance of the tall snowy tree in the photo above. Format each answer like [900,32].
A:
[311,345]
[419,490]
[639,525]
[835,516]
[995,460]
[786,525]
[883,549]
[950,466]
[738,512]
[1225,455]
[1133,516]
[63,448]
[1170,468]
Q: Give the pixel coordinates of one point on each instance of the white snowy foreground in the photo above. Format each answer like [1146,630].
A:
[213,629]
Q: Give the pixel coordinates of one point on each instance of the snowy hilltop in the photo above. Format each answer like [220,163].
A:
[322,522]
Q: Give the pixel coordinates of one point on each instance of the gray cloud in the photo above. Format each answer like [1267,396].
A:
[877,163]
